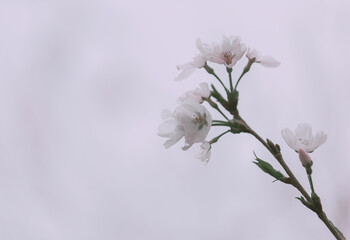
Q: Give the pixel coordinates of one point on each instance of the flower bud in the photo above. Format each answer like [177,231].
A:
[305,158]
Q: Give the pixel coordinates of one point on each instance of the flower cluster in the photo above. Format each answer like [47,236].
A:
[228,53]
[191,120]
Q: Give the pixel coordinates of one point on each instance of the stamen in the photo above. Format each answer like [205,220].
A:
[227,56]
[305,142]
[200,119]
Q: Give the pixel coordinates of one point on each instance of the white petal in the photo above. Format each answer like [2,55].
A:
[252,53]
[205,152]
[200,47]
[199,61]
[187,146]
[240,50]
[165,114]
[304,132]
[185,73]
[268,61]
[190,95]
[167,128]
[319,139]
[173,140]
[290,138]
[203,90]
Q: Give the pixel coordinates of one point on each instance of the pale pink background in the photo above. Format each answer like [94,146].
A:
[82,85]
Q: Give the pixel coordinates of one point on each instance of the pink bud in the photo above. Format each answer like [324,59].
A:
[305,158]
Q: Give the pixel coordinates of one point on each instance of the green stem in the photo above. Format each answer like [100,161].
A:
[215,106]
[229,70]
[334,230]
[219,125]
[245,70]
[219,121]
[211,71]
[214,140]
[223,85]
[279,158]
[294,181]
[311,184]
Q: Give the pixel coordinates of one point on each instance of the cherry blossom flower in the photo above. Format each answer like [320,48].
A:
[197,94]
[266,61]
[188,68]
[303,138]
[305,158]
[190,120]
[205,152]
[228,52]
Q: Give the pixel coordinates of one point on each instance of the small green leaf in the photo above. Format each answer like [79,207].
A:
[267,168]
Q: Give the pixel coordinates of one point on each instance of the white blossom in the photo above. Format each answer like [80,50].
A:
[303,138]
[190,120]
[197,94]
[266,61]
[205,152]
[190,67]
[228,52]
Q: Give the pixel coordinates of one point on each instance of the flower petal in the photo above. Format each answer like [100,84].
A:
[319,139]
[185,73]
[268,61]
[205,152]
[170,142]
[203,90]
[290,138]
[165,114]
[304,132]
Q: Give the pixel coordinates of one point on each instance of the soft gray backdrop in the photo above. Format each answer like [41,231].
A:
[82,86]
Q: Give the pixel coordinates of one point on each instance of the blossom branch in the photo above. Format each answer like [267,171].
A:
[313,202]
[278,156]
[192,121]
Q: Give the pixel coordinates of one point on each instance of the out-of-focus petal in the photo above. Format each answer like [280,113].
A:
[268,61]
[203,90]
[184,74]
[205,152]
[319,139]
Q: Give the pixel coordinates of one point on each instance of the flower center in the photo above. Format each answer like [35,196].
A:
[304,142]
[227,56]
[200,119]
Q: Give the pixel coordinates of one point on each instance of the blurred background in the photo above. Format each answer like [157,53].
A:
[82,85]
